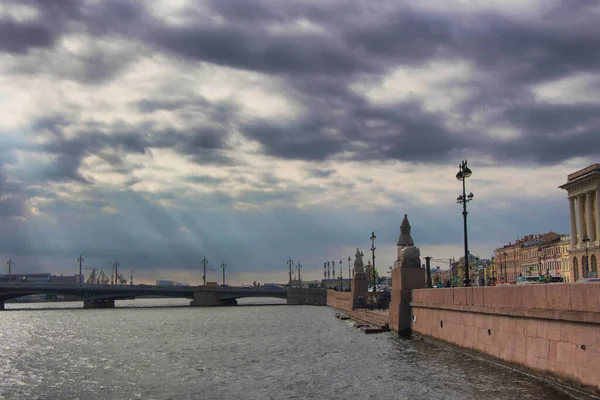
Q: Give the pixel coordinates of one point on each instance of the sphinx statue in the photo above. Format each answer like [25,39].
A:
[408,254]
[409,257]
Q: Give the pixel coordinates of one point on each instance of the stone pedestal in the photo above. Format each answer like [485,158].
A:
[404,281]
[360,288]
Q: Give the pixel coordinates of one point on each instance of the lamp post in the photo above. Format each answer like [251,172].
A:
[341,278]
[586,271]
[289,262]
[223,266]
[204,262]
[79,260]
[463,173]
[299,277]
[373,237]
[349,274]
[493,265]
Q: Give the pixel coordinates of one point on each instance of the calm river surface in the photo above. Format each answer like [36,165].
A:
[142,351]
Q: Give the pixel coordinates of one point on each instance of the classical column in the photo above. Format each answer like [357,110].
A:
[589,217]
[573,218]
[580,221]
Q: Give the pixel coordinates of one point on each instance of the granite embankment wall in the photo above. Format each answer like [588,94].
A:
[552,329]
[340,300]
[307,296]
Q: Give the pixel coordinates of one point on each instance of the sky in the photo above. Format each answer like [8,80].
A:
[156,133]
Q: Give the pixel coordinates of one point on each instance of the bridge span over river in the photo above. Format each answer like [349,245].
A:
[104,296]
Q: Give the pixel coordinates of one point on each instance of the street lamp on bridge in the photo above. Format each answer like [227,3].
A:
[373,237]
[223,266]
[341,278]
[463,173]
[349,273]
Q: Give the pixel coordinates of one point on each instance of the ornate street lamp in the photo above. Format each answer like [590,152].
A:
[373,237]
[349,273]
[463,173]
[341,278]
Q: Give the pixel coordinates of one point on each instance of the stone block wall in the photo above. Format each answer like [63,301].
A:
[339,300]
[553,329]
[307,296]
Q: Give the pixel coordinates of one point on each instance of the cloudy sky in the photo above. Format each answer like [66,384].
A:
[159,132]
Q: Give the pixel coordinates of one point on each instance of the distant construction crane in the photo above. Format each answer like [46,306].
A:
[102,279]
[97,277]
[92,280]
[120,279]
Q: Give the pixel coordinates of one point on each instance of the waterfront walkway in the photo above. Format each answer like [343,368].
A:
[376,318]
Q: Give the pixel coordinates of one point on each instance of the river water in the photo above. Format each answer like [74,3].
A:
[161,349]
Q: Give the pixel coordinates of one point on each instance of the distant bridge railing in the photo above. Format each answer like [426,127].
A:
[91,292]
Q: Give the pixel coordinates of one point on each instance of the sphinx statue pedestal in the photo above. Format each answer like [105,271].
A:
[360,288]
[404,281]
[407,275]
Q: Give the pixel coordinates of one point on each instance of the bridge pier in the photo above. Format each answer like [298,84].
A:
[99,304]
[205,297]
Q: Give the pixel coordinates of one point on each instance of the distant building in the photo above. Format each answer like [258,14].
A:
[583,188]
[533,255]
[166,282]
[37,277]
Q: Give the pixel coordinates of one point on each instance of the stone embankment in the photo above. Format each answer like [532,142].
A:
[553,329]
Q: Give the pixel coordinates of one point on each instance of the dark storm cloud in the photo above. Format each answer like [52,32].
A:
[19,38]
[557,132]
[353,42]
[98,61]
[204,145]
[238,48]
[68,152]
[305,139]
[509,55]
[113,142]
[204,180]
[43,32]
[321,173]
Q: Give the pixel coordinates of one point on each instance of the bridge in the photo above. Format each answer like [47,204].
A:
[104,296]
